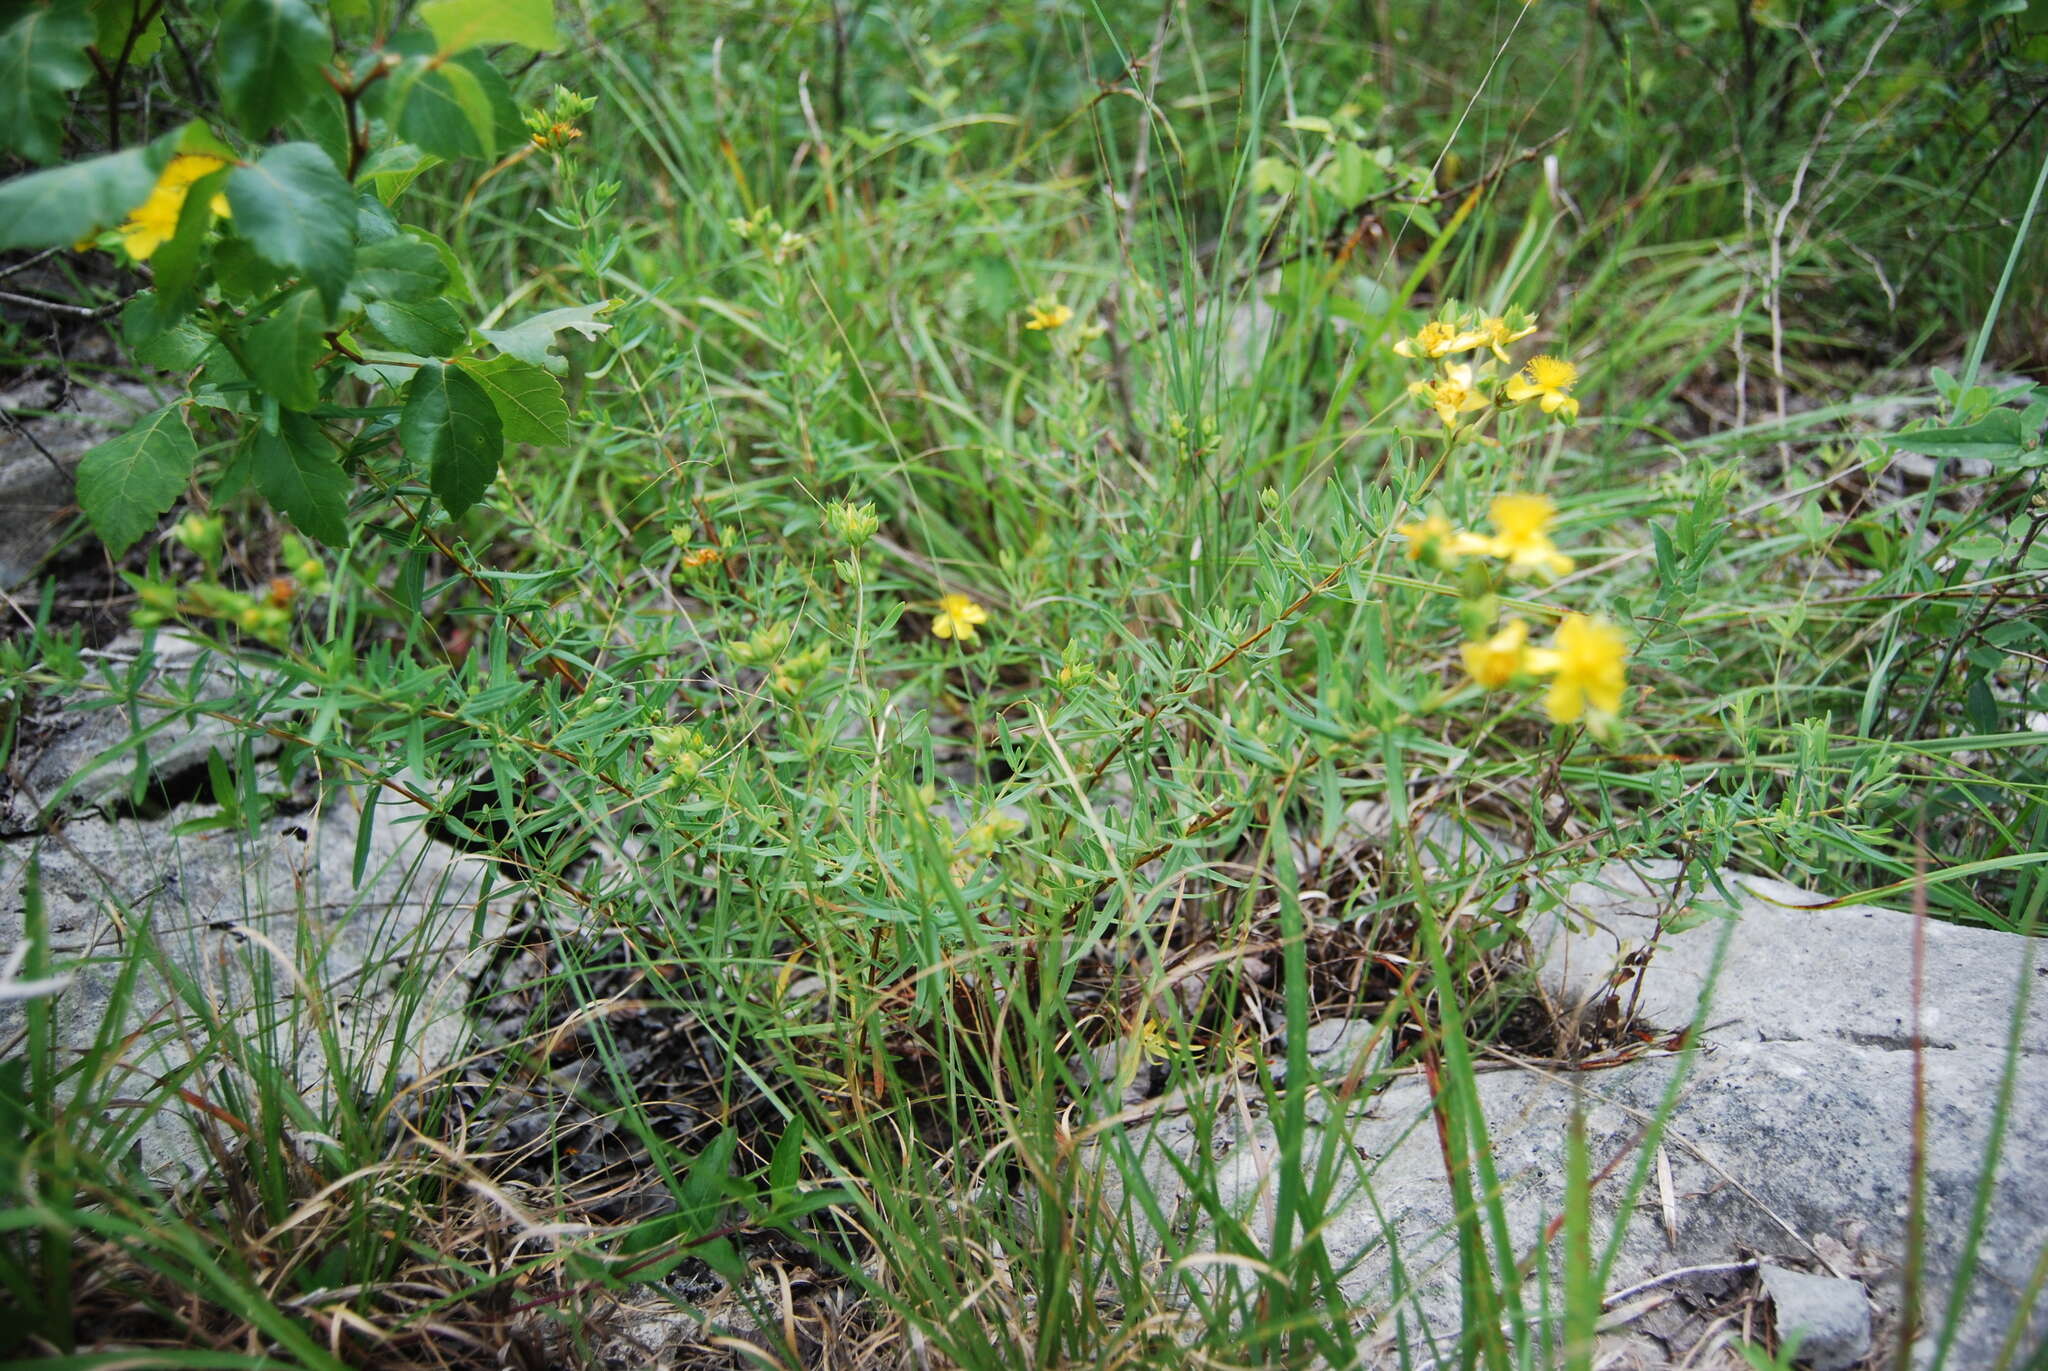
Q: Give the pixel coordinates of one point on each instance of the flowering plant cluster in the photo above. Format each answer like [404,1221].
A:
[1584,665]
[1459,389]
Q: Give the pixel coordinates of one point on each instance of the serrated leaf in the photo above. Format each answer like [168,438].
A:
[42,57]
[296,470]
[295,209]
[1998,436]
[450,427]
[528,400]
[533,339]
[282,351]
[269,54]
[126,483]
[430,328]
[401,268]
[460,24]
[58,207]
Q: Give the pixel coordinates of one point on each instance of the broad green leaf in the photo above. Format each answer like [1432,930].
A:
[126,484]
[42,56]
[241,275]
[430,328]
[58,207]
[294,208]
[1998,436]
[282,351]
[154,341]
[528,400]
[460,24]
[296,470]
[390,169]
[116,31]
[450,427]
[448,112]
[532,340]
[176,263]
[270,53]
[401,268]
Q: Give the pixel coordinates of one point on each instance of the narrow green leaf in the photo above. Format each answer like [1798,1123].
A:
[460,24]
[450,427]
[42,56]
[270,53]
[533,340]
[284,349]
[126,484]
[528,400]
[401,268]
[58,207]
[1997,436]
[430,328]
[295,209]
[296,470]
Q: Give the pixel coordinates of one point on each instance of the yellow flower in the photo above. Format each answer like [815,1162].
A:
[1046,313]
[1433,539]
[1500,332]
[154,222]
[1546,379]
[957,617]
[1435,529]
[1441,338]
[1585,660]
[1494,662]
[1450,394]
[1522,534]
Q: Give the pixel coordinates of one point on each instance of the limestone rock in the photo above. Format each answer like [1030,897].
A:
[1791,1137]
[58,758]
[1828,1316]
[258,936]
[49,425]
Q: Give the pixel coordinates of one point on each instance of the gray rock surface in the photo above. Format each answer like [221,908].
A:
[256,937]
[47,426]
[58,769]
[1827,1317]
[1791,1138]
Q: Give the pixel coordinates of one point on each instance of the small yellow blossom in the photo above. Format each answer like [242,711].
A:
[1435,529]
[1442,338]
[1435,540]
[1047,313]
[154,222]
[1502,331]
[1585,661]
[1545,380]
[957,617]
[995,829]
[1450,394]
[1521,538]
[1494,662]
